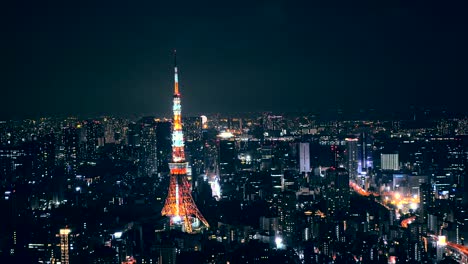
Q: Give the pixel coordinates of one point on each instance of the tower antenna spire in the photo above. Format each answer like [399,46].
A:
[176,77]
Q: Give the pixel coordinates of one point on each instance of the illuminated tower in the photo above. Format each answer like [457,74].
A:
[65,246]
[179,205]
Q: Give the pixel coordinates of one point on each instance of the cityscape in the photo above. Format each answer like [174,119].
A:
[263,174]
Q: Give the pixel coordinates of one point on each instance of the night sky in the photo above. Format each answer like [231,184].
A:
[115,57]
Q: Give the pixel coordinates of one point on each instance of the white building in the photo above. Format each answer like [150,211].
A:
[389,162]
[304,158]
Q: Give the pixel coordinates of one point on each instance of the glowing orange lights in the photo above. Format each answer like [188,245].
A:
[176,89]
[179,171]
[178,154]
[460,248]
[407,221]
[64,245]
[441,240]
[358,189]
[179,205]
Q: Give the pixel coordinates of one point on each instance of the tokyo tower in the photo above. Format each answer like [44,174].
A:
[179,205]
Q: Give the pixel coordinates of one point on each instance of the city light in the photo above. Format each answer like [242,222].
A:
[179,204]
[303,134]
[118,235]
[279,243]
[215,188]
[441,241]
[225,135]
[65,231]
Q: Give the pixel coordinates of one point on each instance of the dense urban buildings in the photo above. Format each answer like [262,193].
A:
[285,189]
[311,132]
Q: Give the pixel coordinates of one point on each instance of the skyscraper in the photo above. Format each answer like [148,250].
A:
[179,205]
[352,154]
[65,246]
[304,158]
[94,138]
[163,145]
[227,157]
[148,150]
[70,148]
[193,144]
[365,152]
[338,198]
[389,162]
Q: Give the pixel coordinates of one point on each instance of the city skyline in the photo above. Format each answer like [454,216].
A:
[300,132]
[112,58]
[258,188]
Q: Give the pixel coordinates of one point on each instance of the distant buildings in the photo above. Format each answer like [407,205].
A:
[292,179]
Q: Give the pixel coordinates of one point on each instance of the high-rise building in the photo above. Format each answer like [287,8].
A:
[286,205]
[94,138]
[46,155]
[227,157]
[338,197]
[133,135]
[193,144]
[266,153]
[365,152]
[148,162]
[70,148]
[389,162]
[163,145]
[179,205]
[276,180]
[352,156]
[65,245]
[425,198]
[304,158]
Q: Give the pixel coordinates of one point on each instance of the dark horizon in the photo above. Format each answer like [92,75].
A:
[409,114]
[116,57]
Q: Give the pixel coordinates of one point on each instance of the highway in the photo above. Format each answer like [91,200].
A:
[460,249]
[407,221]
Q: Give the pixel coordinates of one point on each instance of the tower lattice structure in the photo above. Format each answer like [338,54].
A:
[179,205]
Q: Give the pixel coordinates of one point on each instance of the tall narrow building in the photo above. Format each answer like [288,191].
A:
[179,205]
[304,158]
[65,245]
[352,155]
